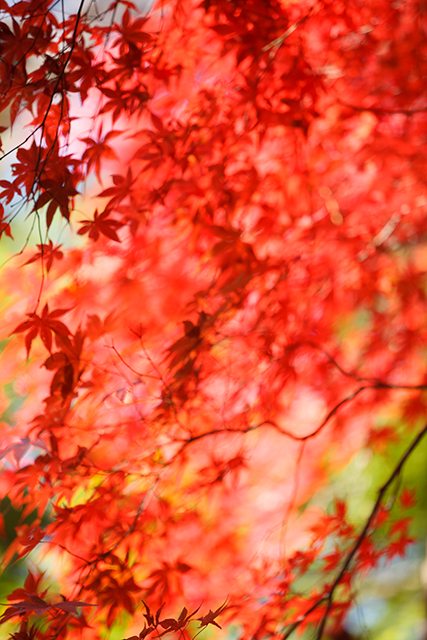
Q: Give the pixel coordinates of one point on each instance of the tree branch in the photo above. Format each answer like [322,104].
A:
[394,474]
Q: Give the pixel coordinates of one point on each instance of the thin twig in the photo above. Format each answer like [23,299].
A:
[277,43]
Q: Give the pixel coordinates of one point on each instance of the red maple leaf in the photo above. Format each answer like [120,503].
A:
[101,224]
[98,150]
[210,617]
[47,253]
[44,325]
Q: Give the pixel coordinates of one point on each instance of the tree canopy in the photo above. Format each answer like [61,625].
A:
[236,308]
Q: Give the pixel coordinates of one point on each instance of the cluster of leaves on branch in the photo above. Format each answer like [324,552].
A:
[246,310]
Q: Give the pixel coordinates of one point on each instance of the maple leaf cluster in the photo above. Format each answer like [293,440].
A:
[245,309]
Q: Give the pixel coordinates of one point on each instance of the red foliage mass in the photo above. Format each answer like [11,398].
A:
[250,301]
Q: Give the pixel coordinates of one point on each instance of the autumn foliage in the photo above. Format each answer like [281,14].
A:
[243,311]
